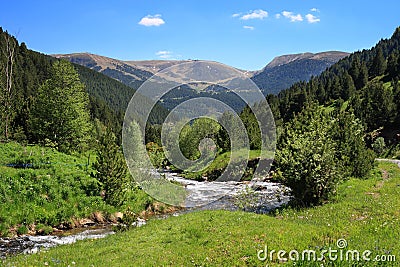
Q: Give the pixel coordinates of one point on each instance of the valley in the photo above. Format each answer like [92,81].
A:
[217,165]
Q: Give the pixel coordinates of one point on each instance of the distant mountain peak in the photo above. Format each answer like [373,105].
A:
[330,56]
[284,71]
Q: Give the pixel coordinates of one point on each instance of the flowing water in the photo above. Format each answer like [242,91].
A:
[254,196]
[33,244]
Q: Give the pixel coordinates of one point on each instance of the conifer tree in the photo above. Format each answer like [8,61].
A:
[379,65]
[110,168]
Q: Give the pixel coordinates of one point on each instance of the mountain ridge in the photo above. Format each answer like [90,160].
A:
[282,72]
[156,65]
[286,59]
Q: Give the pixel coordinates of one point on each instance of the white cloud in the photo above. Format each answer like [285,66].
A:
[314,9]
[164,54]
[256,14]
[150,20]
[278,16]
[235,15]
[312,19]
[248,27]
[292,17]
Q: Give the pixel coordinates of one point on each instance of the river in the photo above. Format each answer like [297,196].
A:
[254,196]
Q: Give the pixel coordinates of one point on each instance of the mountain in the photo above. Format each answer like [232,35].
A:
[284,71]
[134,73]
[281,73]
[122,71]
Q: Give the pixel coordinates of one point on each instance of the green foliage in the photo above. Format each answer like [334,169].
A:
[252,127]
[191,135]
[60,112]
[353,157]
[8,93]
[318,149]
[156,154]
[305,158]
[22,230]
[379,145]
[379,65]
[378,106]
[110,169]
[44,229]
[21,73]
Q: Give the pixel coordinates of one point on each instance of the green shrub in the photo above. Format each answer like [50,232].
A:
[305,158]
[317,150]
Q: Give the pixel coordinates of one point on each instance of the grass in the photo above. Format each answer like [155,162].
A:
[366,213]
[47,188]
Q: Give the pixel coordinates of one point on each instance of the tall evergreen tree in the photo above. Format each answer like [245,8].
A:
[378,105]
[379,65]
[393,67]
[60,112]
[347,85]
[362,77]
[110,168]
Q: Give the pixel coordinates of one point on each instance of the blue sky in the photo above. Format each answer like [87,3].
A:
[246,34]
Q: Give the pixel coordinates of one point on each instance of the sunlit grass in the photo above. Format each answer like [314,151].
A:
[366,213]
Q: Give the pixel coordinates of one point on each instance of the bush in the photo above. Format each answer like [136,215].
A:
[317,150]
[305,159]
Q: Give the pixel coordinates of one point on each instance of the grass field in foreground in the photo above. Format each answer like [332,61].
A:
[366,214]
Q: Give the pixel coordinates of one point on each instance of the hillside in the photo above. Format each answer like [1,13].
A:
[284,71]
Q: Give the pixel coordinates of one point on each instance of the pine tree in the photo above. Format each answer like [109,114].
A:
[252,127]
[110,169]
[379,65]
[362,79]
[378,106]
[393,64]
[60,112]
